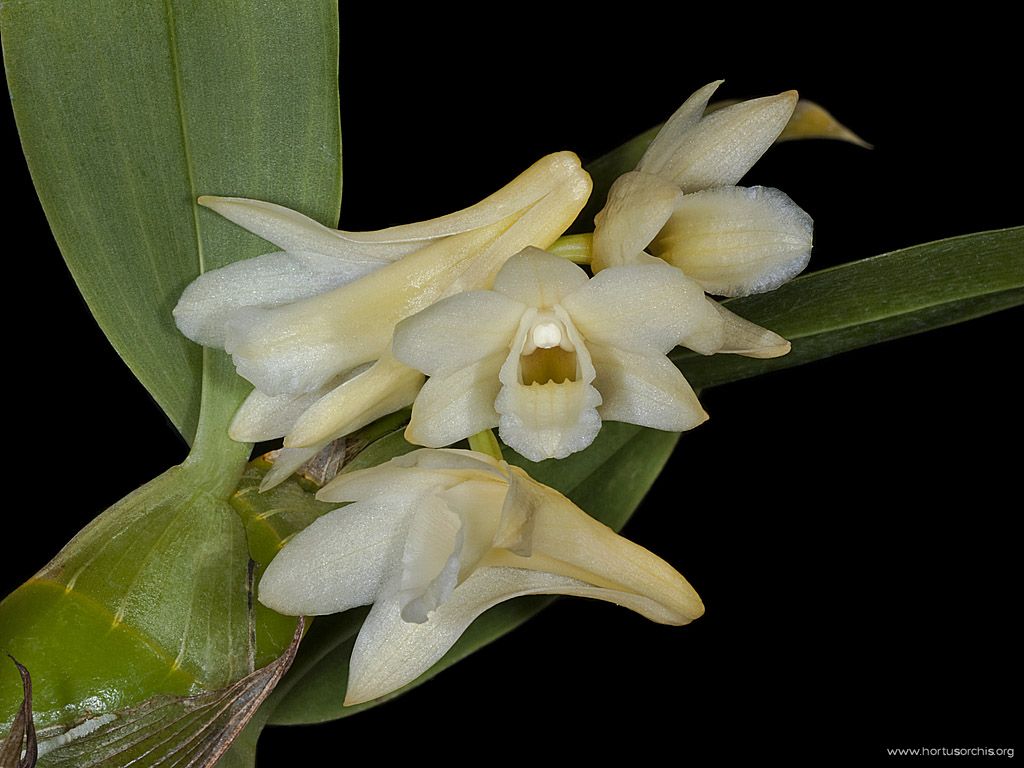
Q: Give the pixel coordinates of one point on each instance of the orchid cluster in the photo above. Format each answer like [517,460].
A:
[338,329]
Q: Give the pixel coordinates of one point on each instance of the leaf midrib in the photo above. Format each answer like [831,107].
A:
[172,44]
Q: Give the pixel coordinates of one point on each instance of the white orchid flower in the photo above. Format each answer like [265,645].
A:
[310,326]
[681,203]
[548,354]
[435,538]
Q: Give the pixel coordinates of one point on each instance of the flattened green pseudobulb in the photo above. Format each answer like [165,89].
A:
[60,632]
[146,599]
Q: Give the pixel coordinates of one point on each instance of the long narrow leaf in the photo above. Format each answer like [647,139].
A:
[896,294]
[128,111]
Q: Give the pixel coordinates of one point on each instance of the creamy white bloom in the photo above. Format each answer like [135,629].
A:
[549,353]
[310,326]
[435,538]
[681,203]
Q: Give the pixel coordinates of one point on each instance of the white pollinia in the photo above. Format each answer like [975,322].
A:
[681,203]
[436,537]
[310,326]
[549,353]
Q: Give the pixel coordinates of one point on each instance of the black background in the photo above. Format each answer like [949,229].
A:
[847,523]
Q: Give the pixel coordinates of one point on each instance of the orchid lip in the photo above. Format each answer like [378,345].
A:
[548,355]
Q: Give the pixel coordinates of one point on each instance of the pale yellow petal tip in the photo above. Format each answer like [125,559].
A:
[782,349]
[582,185]
[704,416]
[212,201]
[698,610]
[301,439]
[810,120]
[686,605]
[414,433]
[220,204]
[566,159]
[271,481]
[361,692]
[351,699]
[779,349]
[237,431]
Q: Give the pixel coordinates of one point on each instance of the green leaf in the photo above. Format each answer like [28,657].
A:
[609,479]
[896,294]
[152,597]
[152,602]
[129,111]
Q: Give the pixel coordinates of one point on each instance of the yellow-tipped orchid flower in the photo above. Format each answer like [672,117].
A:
[435,538]
[549,354]
[681,203]
[311,326]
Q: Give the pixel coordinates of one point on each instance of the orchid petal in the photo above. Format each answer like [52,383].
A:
[539,226]
[453,407]
[363,484]
[384,388]
[643,390]
[568,542]
[676,130]
[742,337]
[208,303]
[456,332]
[292,231]
[430,560]
[549,173]
[537,279]
[344,558]
[736,241]
[451,459]
[646,308]
[638,206]
[521,504]
[299,347]
[724,145]
[288,461]
[727,332]
[266,417]
[810,120]
[390,653]
[475,500]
